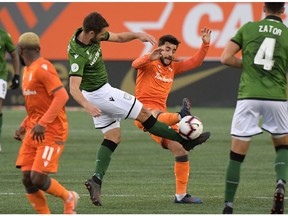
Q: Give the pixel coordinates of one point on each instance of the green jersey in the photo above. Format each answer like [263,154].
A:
[264,47]
[6,45]
[86,61]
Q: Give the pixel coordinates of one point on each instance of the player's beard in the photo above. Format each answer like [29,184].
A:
[94,40]
[163,61]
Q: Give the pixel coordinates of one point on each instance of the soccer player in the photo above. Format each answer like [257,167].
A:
[262,94]
[156,71]
[44,129]
[107,105]
[6,45]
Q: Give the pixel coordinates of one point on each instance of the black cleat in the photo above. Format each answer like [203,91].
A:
[94,190]
[186,106]
[228,210]
[278,204]
[190,144]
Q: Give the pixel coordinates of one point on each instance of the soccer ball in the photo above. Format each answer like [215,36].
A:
[190,127]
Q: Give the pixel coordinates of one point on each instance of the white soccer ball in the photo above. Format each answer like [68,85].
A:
[190,127]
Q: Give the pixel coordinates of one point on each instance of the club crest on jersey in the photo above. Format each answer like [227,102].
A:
[127,96]
[74,67]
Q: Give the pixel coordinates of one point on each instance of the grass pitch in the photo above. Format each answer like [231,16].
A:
[140,179]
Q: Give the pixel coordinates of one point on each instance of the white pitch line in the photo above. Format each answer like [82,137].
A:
[133,195]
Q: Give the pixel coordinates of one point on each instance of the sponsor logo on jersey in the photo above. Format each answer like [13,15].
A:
[27,92]
[163,78]
[127,96]
[74,67]
[97,54]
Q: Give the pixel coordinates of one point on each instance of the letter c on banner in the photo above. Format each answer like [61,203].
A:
[191,28]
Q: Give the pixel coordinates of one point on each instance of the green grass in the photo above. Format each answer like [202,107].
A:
[140,179]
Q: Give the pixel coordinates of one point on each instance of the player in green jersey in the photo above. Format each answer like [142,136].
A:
[261,95]
[6,45]
[107,105]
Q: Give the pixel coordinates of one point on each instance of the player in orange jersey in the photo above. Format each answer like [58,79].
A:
[156,71]
[44,129]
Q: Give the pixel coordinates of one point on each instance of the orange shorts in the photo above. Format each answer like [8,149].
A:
[41,157]
[162,141]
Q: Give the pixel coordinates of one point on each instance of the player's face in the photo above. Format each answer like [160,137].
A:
[98,37]
[168,53]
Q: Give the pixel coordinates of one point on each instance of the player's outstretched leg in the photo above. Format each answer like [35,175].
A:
[278,204]
[94,187]
[190,144]
[186,106]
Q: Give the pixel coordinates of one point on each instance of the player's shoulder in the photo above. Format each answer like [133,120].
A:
[44,64]
[4,33]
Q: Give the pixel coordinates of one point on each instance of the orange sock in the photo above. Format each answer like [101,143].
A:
[181,170]
[168,118]
[56,189]
[39,202]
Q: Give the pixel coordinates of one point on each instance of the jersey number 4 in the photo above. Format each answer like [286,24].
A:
[264,55]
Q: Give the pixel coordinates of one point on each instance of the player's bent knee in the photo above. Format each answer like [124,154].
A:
[144,114]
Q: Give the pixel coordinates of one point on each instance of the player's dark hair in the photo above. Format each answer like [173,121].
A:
[168,38]
[274,7]
[94,22]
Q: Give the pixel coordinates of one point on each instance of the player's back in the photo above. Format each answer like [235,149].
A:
[265,59]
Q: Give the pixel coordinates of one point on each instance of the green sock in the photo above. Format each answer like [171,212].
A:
[232,180]
[163,130]
[281,164]
[102,161]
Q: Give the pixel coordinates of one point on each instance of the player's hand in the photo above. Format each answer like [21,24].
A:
[93,110]
[19,134]
[15,82]
[156,53]
[38,133]
[206,35]
[146,38]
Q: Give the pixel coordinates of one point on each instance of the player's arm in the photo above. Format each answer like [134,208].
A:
[60,97]
[74,84]
[228,55]
[197,59]
[129,36]
[141,62]
[15,62]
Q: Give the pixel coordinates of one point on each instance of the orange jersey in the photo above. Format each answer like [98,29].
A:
[39,80]
[154,80]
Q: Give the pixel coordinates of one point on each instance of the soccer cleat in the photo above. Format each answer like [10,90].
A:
[70,207]
[186,106]
[95,191]
[278,204]
[188,199]
[228,210]
[190,144]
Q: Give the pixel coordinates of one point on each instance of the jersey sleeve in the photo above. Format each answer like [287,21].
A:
[141,62]
[238,37]
[9,44]
[77,64]
[193,62]
[106,37]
